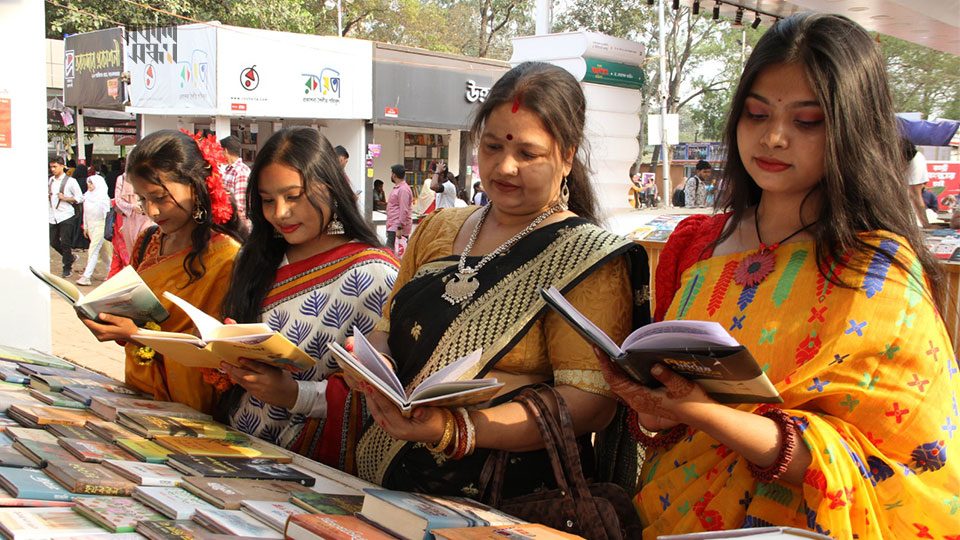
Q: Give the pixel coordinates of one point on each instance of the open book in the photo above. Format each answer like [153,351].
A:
[442,389]
[124,295]
[223,342]
[701,351]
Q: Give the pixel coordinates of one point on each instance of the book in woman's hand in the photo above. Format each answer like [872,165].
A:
[448,387]
[701,351]
[220,342]
[125,295]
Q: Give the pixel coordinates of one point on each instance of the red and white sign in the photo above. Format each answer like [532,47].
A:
[238,106]
[391,112]
[943,179]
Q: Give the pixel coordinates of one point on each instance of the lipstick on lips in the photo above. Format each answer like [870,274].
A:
[771,164]
[289,228]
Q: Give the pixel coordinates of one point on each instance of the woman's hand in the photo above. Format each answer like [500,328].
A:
[113,327]
[424,425]
[267,383]
[661,408]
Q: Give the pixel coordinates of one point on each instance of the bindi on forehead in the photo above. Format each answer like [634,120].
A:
[509,136]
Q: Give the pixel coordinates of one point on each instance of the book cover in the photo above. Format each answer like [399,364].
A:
[8,500]
[72,432]
[193,446]
[238,467]
[89,478]
[220,342]
[273,513]
[124,294]
[229,493]
[323,503]
[448,387]
[116,514]
[84,394]
[332,527]
[751,534]
[413,516]
[35,523]
[31,434]
[107,407]
[11,375]
[234,522]
[32,484]
[44,415]
[31,369]
[173,529]
[93,451]
[150,426]
[144,449]
[700,351]
[56,399]
[525,531]
[109,431]
[145,474]
[43,453]
[175,503]
[10,457]
[30,356]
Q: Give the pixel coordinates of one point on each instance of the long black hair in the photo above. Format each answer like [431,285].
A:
[556,97]
[863,186]
[309,153]
[174,156]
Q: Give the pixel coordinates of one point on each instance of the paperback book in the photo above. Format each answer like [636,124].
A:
[10,457]
[72,432]
[56,399]
[115,514]
[93,451]
[220,342]
[173,529]
[525,531]
[145,474]
[108,408]
[238,467]
[8,500]
[57,383]
[701,351]
[10,374]
[275,514]
[150,426]
[125,294]
[442,389]
[325,503]
[109,431]
[413,516]
[30,356]
[172,502]
[37,523]
[43,453]
[89,478]
[144,449]
[333,527]
[234,522]
[229,493]
[18,433]
[84,394]
[42,415]
[251,448]
[32,484]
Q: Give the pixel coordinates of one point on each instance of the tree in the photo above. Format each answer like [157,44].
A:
[921,79]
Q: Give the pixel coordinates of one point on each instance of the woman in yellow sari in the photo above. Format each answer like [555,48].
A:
[818,268]
[189,253]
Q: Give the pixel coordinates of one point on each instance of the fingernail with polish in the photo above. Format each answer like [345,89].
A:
[656,369]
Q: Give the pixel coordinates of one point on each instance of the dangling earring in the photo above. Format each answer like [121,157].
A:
[335,226]
[199,214]
[564,194]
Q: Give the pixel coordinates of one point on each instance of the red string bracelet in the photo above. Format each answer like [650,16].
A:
[788,443]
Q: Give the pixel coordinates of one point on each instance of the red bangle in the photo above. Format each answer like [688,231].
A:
[788,443]
[460,448]
[661,439]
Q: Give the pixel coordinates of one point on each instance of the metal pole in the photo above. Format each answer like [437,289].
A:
[664,157]
[339,19]
[544,17]
[81,149]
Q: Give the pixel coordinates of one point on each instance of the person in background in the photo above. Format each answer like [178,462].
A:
[130,222]
[235,176]
[312,270]
[821,272]
[930,200]
[442,184]
[189,252]
[379,196]
[399,207]
[479,195]
[917,177]
[695,188]
[343,157]
[96,204]
[62,193]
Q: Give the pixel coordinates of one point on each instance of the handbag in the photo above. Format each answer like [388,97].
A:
[109,223]
[599,511]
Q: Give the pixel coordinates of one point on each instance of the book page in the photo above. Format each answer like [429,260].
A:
[580,323]
[450,373]
[123,282]
[206,325]
[668,334]
[366,353]
[67,290]
[355,367]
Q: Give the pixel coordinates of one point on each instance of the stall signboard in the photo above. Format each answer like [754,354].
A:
[285,75]
[172,69]
[92,65]
[613,74]
[943,179]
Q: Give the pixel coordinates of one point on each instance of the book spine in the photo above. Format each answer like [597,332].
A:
[96,489]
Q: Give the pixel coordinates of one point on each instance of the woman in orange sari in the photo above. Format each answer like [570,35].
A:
[190,253]
[818,267]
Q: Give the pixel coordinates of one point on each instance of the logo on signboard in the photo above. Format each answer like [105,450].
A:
[391,112]
[476,93]
[238,106]
[150,76]
[193,73]
[249,78]
[69,65]
[324,88]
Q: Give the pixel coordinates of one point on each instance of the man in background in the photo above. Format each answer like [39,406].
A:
[695,189]
[236,173]
[62,193]
[399,207]
[444,187]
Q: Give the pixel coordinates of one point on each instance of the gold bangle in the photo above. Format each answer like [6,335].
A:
[449,430]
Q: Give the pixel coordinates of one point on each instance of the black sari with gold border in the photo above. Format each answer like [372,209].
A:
[427,332]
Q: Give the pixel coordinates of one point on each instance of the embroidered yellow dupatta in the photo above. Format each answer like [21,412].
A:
[870,377]
[164,378]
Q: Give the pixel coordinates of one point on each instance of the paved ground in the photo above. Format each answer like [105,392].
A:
[72,340]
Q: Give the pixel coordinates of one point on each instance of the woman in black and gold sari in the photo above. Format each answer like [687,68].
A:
[471,279]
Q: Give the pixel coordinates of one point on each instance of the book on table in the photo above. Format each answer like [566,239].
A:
[413,515]
[30,356]
[145,474]
[45,523]
[229,493]
[173,529]
[700,351]
[32,484]
[273,513]
[89,478]
[148,425]
[332,527]
[524,531]
[125,295]
[144,449]
[234,522]
[18,433]
[108,408]
[251,448]
[72,432]
[109,431]
[238,467]
[173,502]
[220,342]
[328,503]
[43,453]
[758,533]
[56,399]
[9,457]
[441,389]
[115,514]
[93,451]
[40,415]
[7,500]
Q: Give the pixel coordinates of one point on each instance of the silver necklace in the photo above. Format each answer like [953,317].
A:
[462,286]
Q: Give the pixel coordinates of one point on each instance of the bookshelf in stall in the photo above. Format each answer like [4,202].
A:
[420,152]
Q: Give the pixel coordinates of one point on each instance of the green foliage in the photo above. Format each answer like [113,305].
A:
[921,79]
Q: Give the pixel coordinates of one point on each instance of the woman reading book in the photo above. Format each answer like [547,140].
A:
[189,253]
[820,270]
[471,279]
[312,271]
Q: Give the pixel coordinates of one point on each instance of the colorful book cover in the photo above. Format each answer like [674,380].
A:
[56,383]
[32,484]
[525,531]
[109,431]
[234,522]
[56,399]
[43,453]
[152,426]
[73,432]
[273,513]
[116,514]
[229,493]
[333,527]
[145,474]
[85,394]
[8,500]
[322,503]
[89,478]
[93,451]
[412,515]
[192,446]
[30,356]
[31,434]
[10,457]
[145,450]
[31,523]
[175,503]
[107,407]
[173,529]
[45,414]
[11,375]
[238,467]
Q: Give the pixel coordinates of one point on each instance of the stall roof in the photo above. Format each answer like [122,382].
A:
[931,23]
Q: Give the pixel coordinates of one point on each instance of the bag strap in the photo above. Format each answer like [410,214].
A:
[147,235]
[565,437]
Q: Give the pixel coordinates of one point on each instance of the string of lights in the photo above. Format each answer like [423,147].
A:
[738,17]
